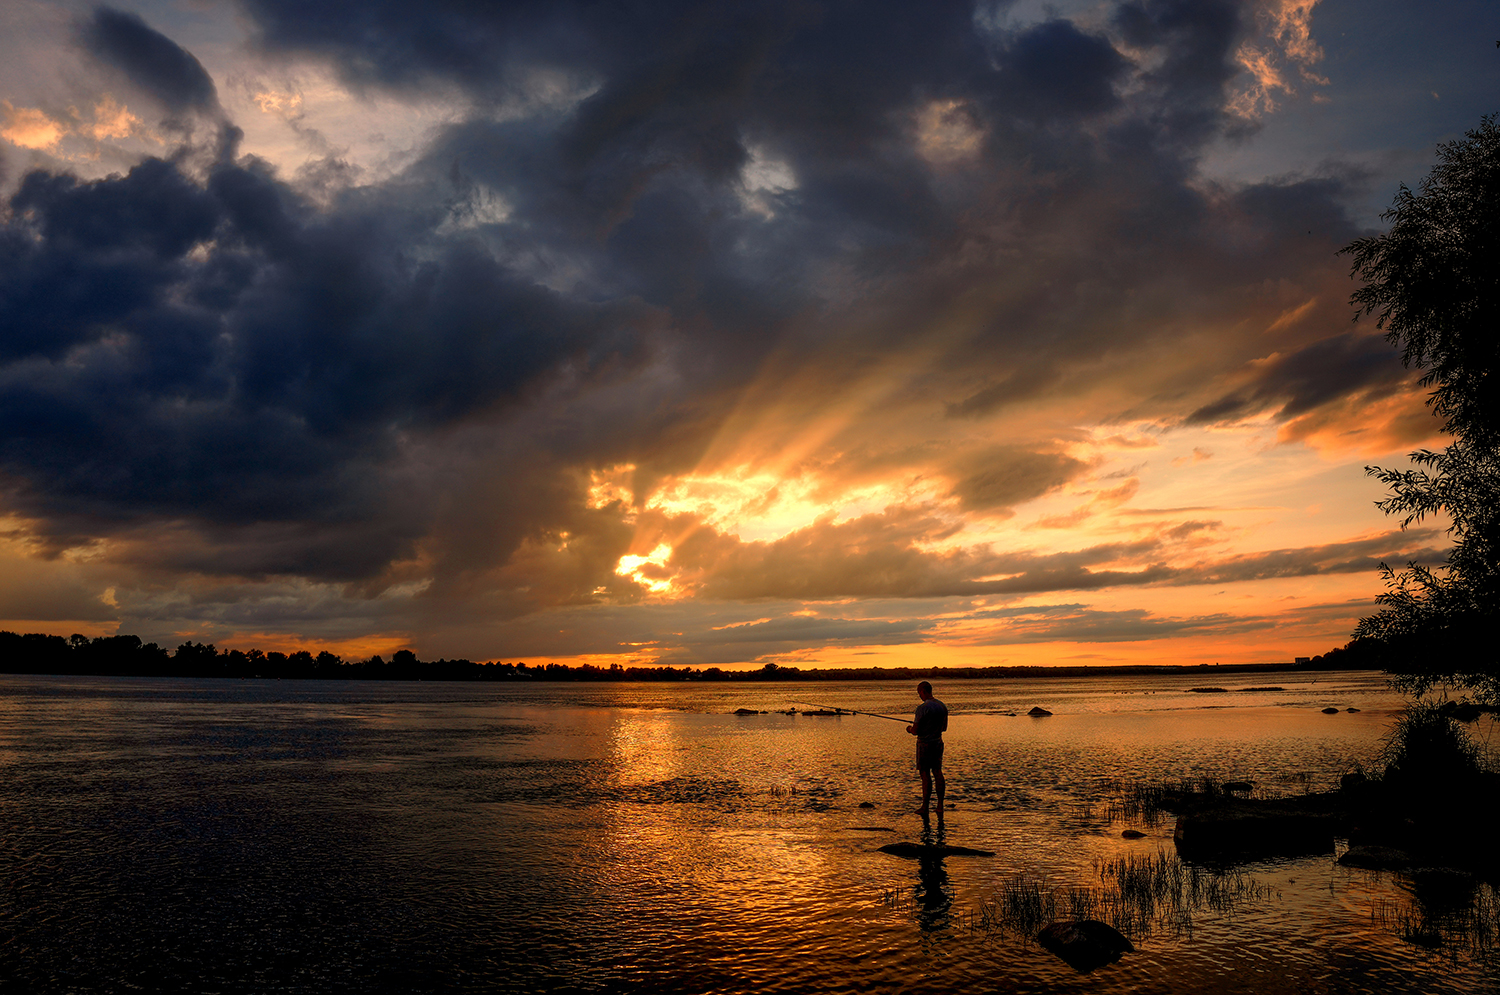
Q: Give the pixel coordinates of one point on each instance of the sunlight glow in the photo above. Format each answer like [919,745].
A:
[757,505]
[610,485]
[28,127]
[649,571]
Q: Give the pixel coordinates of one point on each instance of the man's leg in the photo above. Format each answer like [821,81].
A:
[926,790]
[942,787]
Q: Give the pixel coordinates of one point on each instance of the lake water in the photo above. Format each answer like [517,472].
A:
[228,836]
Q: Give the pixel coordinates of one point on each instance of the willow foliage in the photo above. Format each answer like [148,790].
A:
[1433,285]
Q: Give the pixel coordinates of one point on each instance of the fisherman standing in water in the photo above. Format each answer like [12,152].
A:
[928,725]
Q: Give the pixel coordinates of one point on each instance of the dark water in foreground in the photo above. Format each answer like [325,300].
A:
[160,835]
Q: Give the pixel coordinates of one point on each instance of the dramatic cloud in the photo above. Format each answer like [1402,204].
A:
[680,304]
[1310,378]
[150,60]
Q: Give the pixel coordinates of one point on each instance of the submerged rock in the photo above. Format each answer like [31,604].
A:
[1330,711]
[747,711]
[1085,944]
[1133,834]
[932,851]
[1038,712]
[866,804]
[1351,709]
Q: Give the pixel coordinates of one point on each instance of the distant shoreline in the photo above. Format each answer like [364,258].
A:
[127,656]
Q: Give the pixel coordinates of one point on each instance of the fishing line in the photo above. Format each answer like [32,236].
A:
[853,711]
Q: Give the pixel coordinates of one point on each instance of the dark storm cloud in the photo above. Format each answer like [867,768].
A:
[1308,378]
[1057,71]
[150,60]
[317,390]
[1193,39]
[223,352]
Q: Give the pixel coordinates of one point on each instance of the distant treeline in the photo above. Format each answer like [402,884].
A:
[127,656]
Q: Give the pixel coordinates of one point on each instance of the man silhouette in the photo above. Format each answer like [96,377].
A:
[928,725]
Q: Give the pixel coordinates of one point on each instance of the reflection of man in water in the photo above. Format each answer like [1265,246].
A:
[933,893]
[928,725]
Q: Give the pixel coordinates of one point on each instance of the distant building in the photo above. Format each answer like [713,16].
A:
[1303,661]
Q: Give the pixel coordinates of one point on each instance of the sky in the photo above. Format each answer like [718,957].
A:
[821,334]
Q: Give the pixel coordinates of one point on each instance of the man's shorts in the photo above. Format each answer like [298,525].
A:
[929,756]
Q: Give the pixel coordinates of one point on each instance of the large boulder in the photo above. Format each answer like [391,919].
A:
[1086,944]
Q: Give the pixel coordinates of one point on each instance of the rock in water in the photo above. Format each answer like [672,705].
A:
[1086,944]
[1038,712]
[1330,711]
[1133,834]
[1246,828]
[746,711]
[925,851]
[1376,858]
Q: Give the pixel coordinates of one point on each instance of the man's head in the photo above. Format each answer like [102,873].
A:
[924,690]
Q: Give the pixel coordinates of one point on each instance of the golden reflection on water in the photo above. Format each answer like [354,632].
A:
[550,837]
[737,885]
[643,747]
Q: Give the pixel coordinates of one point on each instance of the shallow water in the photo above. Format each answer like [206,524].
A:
[329,836]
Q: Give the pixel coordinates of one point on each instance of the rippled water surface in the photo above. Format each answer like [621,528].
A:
[327,836]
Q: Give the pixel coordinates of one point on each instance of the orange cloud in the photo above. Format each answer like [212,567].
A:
[1198,455]
[1367,424]
[33,128]
[1286,40]
[113,120]
[29,127]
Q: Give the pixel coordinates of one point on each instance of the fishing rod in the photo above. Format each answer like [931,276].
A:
[852,711]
